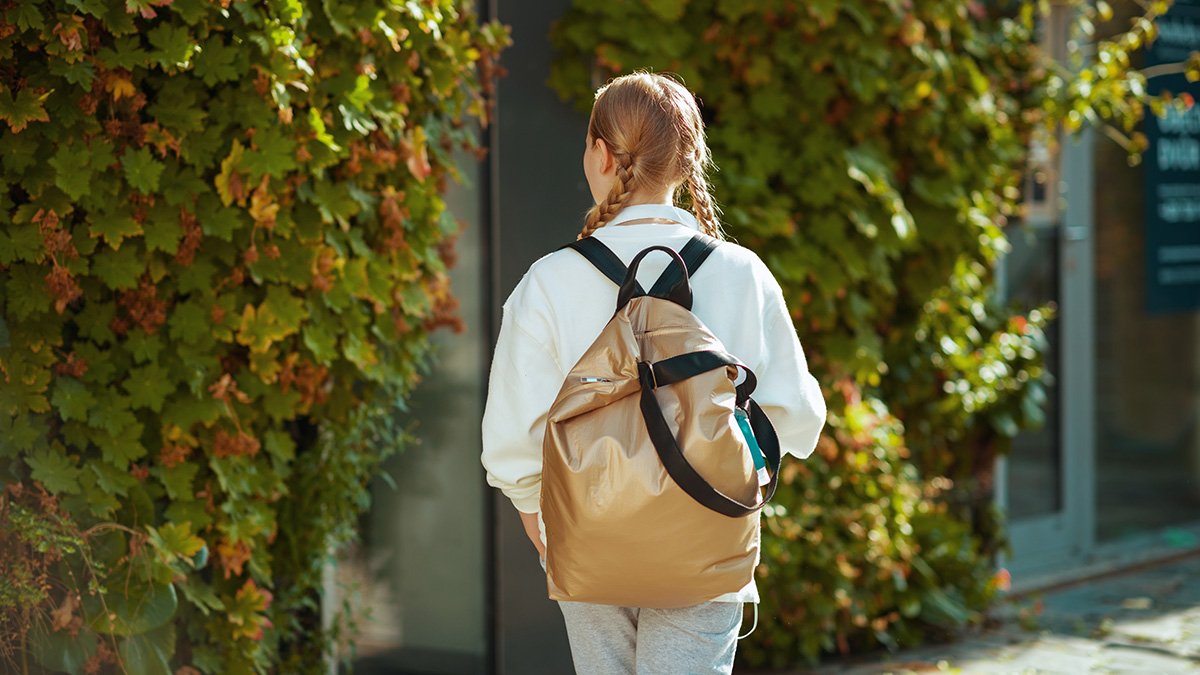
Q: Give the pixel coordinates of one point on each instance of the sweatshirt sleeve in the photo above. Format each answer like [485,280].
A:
[787,392]
[525,378]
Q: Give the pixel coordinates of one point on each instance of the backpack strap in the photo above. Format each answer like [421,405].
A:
[604,259]
[681,367]
[694,253]
[683,473]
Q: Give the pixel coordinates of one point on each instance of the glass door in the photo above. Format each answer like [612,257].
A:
[1045,485]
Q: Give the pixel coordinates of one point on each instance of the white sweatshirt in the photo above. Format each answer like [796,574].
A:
[560,306]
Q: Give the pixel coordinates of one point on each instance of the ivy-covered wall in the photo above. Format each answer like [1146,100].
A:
[223,249]
[872,152]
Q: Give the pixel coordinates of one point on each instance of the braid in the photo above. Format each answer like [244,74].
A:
[622,187]
[702,203]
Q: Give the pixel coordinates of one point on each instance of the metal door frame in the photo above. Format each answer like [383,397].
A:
[1047,544]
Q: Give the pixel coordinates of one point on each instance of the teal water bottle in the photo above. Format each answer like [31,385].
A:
[760,463]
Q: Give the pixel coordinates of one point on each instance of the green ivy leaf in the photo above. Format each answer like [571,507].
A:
[55,470]
[162,230]
[149,386]
[189,323]
[173,45]
[18,151]
[114,226]
[177,479]
[142,170]
[71,175]
[22,242]
[25,108]
[26,15]
[125,52]
[19,434]
[111,479]
[175,539]
[79,73]
[217,63]
[118,269]
[192,11]
[112,414]
[273,153]
[72,399]
[201,596]
[142,345]
[121,448]
[26,290]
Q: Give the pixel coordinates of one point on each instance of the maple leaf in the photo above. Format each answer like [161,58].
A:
[217,62]
[149,386]
[114,227]
[229,182]
[18,434]
[178,480]
[55,470]
[175,539]
[174,45]
[72,399]
[26,107]
[273,153]
[119,269]
[119,87]
[142,170]
[72,170]
[277,317]
[263,208]
[121,448]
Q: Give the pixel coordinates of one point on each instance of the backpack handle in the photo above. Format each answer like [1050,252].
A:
[685,475]
[680,292]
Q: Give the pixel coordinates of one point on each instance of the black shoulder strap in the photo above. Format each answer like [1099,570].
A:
[604,259]
[694,253]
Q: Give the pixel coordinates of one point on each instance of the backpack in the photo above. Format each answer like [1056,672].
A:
[649,486]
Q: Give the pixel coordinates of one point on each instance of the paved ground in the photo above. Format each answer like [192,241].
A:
[1145,622]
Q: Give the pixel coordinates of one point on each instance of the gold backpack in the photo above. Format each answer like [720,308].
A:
[649,485]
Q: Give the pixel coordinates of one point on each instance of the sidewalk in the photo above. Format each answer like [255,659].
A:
[1144,622]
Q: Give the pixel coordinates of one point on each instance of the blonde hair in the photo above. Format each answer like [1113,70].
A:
[652,125]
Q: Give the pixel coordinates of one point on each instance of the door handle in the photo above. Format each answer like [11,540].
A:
[1075,232]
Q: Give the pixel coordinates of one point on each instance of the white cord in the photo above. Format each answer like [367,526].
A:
[755,624]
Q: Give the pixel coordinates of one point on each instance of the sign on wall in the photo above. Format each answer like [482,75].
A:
[1172,172]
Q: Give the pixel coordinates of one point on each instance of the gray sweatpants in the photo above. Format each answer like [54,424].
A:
[613,640]
[610,640]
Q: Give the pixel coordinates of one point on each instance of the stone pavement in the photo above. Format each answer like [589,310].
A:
[1142,622]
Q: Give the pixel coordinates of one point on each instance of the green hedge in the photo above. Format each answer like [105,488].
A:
[223,248]
[873,152]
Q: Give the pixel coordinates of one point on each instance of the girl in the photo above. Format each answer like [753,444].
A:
[645,142]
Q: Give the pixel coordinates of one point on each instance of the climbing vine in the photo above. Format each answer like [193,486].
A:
[223,249]
[874,153]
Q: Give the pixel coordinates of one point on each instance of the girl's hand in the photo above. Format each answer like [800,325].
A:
[530,521]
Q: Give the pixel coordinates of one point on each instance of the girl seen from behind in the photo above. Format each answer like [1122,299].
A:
[645,148]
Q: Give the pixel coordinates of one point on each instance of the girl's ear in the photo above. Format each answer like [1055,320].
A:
[606,157]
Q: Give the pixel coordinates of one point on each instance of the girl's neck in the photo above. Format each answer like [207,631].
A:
[667,198]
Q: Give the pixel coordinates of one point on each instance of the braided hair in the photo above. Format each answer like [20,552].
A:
[652,125]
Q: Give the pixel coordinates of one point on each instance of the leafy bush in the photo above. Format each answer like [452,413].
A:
[873,152]
[224,247]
